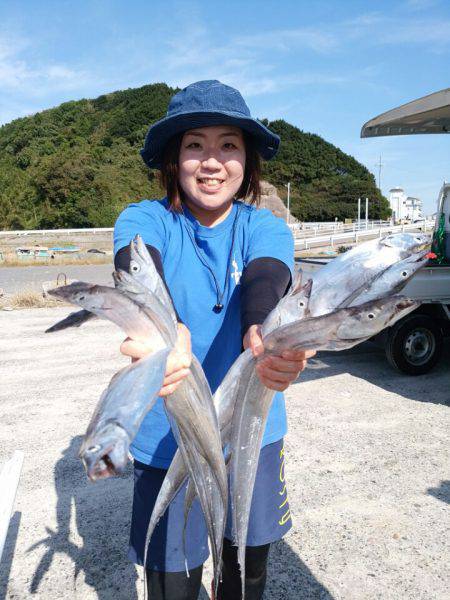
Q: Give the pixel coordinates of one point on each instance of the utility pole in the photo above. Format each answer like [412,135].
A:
[379,164]
[359,212]
[367,213]
[288,201]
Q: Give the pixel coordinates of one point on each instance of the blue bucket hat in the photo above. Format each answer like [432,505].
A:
[203,104]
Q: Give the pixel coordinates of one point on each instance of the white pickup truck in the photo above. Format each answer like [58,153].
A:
[415,343]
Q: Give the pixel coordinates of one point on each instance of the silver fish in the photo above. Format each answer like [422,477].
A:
[338,330]
[135,322]
[341,328]
[391,281]
[191,414]
[148,301]
[291,307]
[129,396]
[355,269]
[214,504]
[111,304]
[143,269]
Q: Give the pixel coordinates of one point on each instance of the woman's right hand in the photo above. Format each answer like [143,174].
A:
[178,362]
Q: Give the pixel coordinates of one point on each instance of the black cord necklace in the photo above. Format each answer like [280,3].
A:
[218,307]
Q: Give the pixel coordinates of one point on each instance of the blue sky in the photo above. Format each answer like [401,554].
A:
[327,66]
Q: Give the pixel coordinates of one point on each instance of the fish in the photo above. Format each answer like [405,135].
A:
[224,399]
[340,280]
[290,308]
[109,303]
[293,306]
[115,421]
[144,271]
[391,281]
[177,474]
[198,432]
[213,500]
[338,330]
[150,304]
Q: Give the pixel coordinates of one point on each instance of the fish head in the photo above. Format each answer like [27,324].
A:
[407,243]
[400,273]
[291,308]
[372,317]
[80,293]
[106,453]
[127,283]
[139,256]
[392,280]
[142,267]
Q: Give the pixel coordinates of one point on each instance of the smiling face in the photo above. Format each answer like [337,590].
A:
[211,170]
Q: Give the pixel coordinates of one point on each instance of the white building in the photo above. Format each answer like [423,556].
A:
[404,207]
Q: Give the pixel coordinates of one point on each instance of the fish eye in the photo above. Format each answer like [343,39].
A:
[404,273]
[371,315]
[93,448]
[301,303]
[135,268]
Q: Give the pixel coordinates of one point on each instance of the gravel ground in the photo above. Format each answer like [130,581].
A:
[367,462]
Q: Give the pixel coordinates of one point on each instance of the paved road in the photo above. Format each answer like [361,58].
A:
[16,279]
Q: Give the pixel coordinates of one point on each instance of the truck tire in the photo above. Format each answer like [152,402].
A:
[414,344]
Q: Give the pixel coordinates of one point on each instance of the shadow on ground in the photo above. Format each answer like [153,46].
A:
[368,361]
[289,577]
[8,553]
[442,492]
[101,513]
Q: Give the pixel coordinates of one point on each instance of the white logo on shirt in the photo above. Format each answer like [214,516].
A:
[236,274]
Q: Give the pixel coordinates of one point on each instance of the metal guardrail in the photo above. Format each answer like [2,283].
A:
[301,232]
[307,230]
[25,232]
[354,236]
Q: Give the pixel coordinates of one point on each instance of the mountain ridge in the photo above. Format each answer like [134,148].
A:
[78,165]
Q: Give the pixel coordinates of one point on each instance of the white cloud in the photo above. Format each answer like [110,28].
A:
[33,78]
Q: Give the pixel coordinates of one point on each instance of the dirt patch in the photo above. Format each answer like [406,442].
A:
[367,464]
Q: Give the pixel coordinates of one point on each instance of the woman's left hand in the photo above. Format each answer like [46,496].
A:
[276,372]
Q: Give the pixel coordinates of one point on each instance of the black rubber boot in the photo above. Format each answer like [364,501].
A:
[255,572]
[174,586]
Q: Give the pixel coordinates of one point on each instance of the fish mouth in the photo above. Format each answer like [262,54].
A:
[107,457]
[99,464]
[405,303]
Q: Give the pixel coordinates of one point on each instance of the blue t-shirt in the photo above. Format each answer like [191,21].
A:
[185,246]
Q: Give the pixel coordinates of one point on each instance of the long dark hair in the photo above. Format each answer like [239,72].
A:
[250,187]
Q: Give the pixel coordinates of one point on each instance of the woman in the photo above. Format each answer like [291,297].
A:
[226,265]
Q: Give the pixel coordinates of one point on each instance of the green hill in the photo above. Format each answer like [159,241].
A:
[77,165]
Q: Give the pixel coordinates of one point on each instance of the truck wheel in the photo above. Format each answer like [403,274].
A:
[414,344]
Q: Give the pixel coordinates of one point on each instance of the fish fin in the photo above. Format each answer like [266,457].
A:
[74,319]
